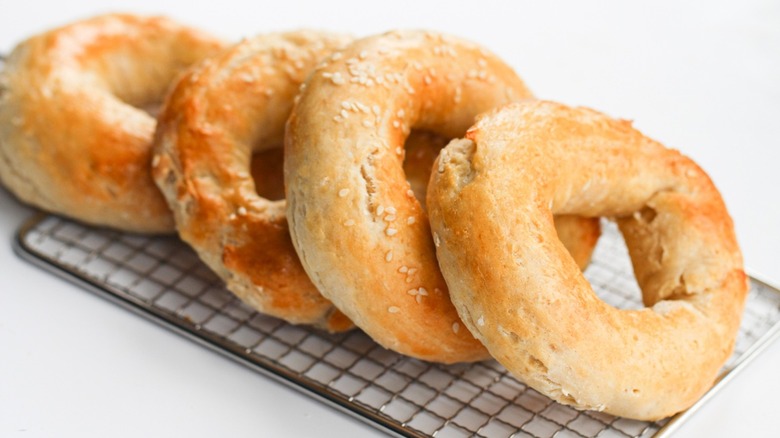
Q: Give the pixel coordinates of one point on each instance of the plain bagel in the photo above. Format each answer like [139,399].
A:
[74,138]
[491,204]
[361,235]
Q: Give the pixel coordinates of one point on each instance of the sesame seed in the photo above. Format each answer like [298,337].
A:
[410,193]
[418,298]
[396,124]
[455,327]
[241,211]
[436,240]
[391,231]
[363,54]
[376,109]
[481,321]
[389,218]
[399,150]
[338,119]
[336,56]
[343,193]
[337,79]
[232,216]
[362,107]
[269,92]
[422,291]
[427,80]
[156,161]
[391,210]
[408,279]
[327,75]
[412,271]
[344,113]
[346,105]
[349,223]
[368,123]
[410,220]
[380,210]
[412,292]
[401,113]
[389,256]
[403,269]
[393,309]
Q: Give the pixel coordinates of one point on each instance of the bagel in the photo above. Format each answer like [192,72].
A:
[217,115]
[74,139]
[491,202]
[361,235]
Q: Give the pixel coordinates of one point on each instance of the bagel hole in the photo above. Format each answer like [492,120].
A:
[268,173]
[610,271]
[422,148]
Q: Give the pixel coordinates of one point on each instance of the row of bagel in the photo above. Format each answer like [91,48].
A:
[446,254]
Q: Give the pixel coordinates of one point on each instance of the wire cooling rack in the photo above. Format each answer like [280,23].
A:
[162,279]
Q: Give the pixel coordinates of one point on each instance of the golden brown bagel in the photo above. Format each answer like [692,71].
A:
[361,234]
[73,137]
[491,202]
[218,114]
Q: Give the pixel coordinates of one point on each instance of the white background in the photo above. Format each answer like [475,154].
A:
[703,77]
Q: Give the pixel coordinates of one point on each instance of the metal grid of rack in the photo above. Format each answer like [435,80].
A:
[161,278]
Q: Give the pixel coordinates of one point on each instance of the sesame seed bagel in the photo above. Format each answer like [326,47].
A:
[74,139]
[219,114]
[491,202]
[361,235]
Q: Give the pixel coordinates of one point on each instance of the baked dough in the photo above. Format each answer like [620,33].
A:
[360,233]
[74,138]
[491,202]
[219,114]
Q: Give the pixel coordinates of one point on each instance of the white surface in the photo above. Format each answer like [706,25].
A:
[703,78]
